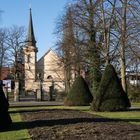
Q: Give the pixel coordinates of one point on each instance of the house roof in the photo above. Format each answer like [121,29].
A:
[5,71]
[133,74]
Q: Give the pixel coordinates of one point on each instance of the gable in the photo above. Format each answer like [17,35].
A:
[50,65]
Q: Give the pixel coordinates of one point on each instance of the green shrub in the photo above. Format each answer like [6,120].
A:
[134,93]
[110,95]
[79,94]
[60,96]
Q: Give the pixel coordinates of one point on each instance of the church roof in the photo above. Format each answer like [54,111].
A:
[49,51]
[30,40]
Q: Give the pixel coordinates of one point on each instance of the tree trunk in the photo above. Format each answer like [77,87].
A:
[123,46]
[94,52]
[67,79]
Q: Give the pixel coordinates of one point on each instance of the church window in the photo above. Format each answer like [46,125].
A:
[28,58]
[49,77]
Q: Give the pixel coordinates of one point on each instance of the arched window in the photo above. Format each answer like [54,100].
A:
[49,77]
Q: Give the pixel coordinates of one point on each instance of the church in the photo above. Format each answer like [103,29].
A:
[47,71]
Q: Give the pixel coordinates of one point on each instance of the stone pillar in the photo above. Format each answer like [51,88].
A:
[51,91]
[39,91]
[16,92]
[38,95]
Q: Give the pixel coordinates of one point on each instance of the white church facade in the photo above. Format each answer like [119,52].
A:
[47,71]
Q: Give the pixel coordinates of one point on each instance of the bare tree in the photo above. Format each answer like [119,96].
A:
[128,21]
[123,45]
[87,21]
[3,50]
[121,33]
[104,31]
[107,18]
[15,42]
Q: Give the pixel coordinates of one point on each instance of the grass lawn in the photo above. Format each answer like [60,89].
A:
[128,116]
[135,105]
[16,133]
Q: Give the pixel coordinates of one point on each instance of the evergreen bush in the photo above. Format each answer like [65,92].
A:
[79,94]
[5,119]
[110,95]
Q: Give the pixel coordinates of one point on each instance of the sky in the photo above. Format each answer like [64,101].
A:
[44,13]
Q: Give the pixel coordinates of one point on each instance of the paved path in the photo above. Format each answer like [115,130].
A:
[35,103]
[45,103]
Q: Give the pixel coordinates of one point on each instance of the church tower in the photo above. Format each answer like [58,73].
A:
[30,56]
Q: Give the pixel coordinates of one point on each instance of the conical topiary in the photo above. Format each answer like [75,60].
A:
[79,94]
[5,119]
[110,95]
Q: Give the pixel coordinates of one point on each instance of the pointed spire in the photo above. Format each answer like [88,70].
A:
[30,40]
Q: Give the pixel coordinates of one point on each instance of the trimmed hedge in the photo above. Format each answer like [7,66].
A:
[110,95]
[79,94]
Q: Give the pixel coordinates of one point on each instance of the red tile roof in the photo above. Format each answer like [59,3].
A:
[4,72]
